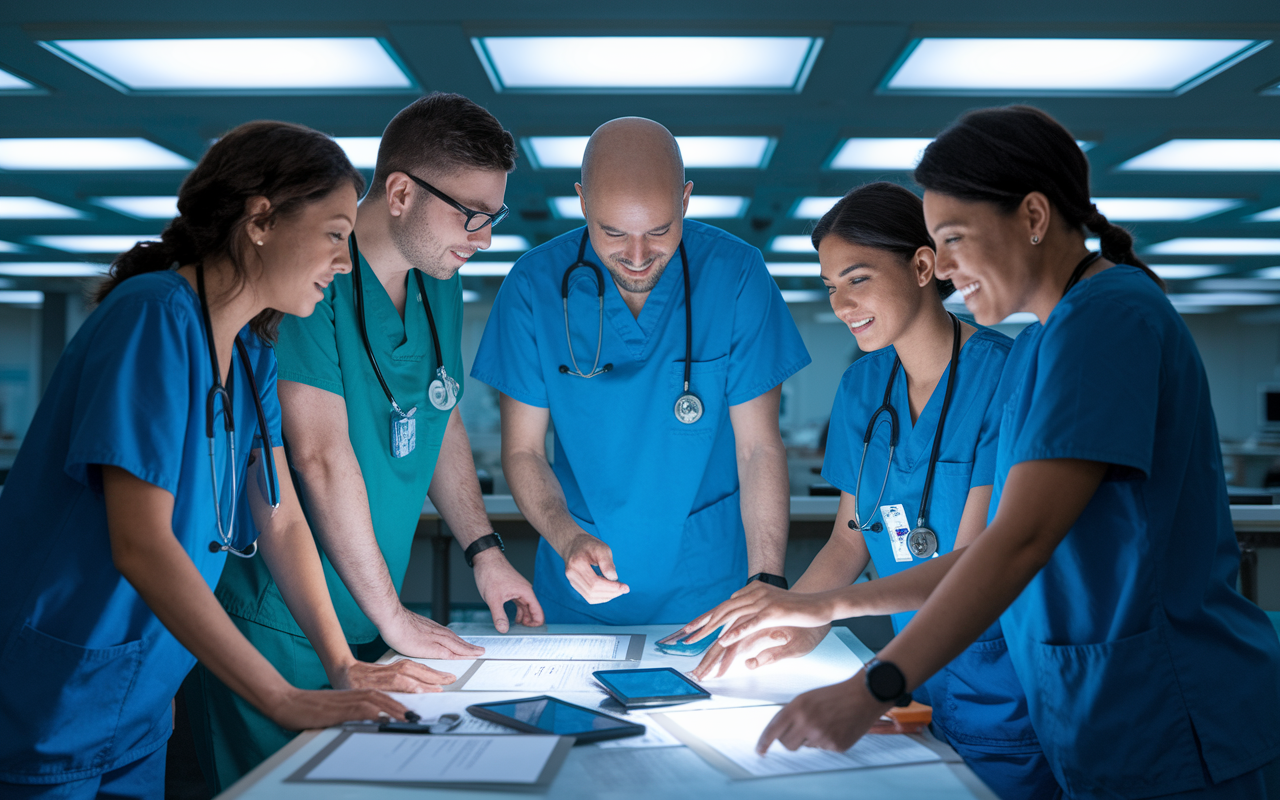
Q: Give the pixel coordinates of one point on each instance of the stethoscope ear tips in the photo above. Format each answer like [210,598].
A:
[853,526]
[607,368]
[564,370]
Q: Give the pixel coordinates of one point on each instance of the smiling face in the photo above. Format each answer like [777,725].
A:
[636,233]
[302,252]
[984,252]
[431,234]
[877,293]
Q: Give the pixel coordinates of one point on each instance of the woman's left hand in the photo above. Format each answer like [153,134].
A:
[831,718]
[401,676]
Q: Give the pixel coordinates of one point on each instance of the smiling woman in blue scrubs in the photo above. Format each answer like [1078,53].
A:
[1110,557]
[112,527]
[878,265]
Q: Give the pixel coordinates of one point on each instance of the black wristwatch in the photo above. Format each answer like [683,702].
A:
[772,580]
[887,683]
[482,544]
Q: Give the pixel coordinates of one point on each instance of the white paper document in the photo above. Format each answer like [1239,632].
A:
[553,647]
[727,738]
[536,676]
[654,736]
[414,758]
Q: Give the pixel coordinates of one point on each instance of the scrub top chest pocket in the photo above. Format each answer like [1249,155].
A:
[707,379]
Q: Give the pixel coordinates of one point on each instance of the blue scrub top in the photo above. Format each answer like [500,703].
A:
[1140,659]
[662,494]
[977,699]
[87,671]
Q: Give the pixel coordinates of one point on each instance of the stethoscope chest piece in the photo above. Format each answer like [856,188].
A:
[688,408]
[443,391]
[922,542]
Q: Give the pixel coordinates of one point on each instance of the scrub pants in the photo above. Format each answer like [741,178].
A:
[231,736]
[141,780]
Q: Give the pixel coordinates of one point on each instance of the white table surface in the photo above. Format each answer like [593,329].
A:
[668,772]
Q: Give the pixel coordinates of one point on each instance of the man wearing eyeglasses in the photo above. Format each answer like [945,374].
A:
[368,387]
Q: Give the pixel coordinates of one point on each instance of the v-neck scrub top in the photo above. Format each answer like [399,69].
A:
[1144,668]
[87,670]
[325,350]
[662,494]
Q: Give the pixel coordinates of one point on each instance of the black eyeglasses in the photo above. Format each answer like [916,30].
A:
[476,220]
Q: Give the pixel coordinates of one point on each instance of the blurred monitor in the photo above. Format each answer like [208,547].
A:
[1269,408]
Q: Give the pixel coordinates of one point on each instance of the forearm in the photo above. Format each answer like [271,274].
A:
[904,591]
[766,506]
[455,489]
[538,493]
[836,566]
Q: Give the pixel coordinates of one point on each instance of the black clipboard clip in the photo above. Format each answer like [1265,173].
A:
[412,724]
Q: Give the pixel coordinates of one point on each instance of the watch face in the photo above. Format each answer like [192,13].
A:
[886,681]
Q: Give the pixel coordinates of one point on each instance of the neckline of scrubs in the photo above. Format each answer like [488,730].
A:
[638,331]
[402,336]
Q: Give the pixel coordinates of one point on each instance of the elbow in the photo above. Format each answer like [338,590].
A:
[129,557]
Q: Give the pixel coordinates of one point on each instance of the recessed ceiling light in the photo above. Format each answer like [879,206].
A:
[1137,209]
[791,244]
[1272,215]
[91,244]
[1225,299]
[794,270]
[485,269]
[1208,155]
[67,154]
[902,153]
[47,269]
[268,65]
[1250,284]
[36,208]
[1184,272]
[647,63]
[803,296]
[701,206]
[468,296]
[362,150]
[699,152]
[21,298]
[12,83]
[154,207]
[500,243]
[1192,246]
[813,207]
[10,247]
[1074,66]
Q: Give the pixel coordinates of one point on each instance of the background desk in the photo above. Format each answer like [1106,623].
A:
[626,774]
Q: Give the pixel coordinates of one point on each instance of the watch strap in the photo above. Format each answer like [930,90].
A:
[482,544]
[771,579]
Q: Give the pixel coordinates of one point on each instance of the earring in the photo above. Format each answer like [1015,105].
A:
[259,243]
[1034,240]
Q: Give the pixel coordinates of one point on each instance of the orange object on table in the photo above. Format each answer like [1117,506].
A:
[911,719]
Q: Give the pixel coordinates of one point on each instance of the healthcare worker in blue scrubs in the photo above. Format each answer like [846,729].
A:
[930,382]
[140,467]
[656,347]
[1109,557]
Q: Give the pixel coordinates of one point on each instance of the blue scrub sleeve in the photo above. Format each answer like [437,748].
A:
[134,399]
[1094,386]
[307,347]
[508,358]
[766,347]
[839,467]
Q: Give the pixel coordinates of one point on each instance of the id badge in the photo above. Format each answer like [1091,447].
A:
[404,433]
[895,524]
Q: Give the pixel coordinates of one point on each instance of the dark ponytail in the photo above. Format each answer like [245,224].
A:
[881,215]
[288,164]
[1000,155]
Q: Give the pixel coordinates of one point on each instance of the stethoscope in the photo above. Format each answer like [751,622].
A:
[442,391]
[921,541]
[688,405]
[228,420]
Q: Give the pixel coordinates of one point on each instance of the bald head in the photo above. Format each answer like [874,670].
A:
[632,152]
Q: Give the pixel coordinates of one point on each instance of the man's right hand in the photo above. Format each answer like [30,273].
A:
[583,553]
[299,710]
[769,645]
[415,636]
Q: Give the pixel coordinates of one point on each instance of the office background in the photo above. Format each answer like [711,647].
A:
[832,106]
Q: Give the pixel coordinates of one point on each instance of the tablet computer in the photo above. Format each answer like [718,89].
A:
[545,714]
[641,688]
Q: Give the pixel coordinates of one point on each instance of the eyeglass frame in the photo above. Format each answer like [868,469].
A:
[491,219]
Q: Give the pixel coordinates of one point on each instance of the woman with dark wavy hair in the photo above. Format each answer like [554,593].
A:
[142,467]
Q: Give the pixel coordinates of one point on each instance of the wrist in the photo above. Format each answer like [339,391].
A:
[482,545]
[491,557]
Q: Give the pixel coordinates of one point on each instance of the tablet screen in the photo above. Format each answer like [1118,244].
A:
[553,716]
[650,683]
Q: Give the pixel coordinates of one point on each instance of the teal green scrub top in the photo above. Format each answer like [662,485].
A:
[1144,667]
[325,350]
[87,670]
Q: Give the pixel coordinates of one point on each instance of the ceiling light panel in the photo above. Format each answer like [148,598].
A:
[12,83]
[21,298]
[1191,246]
[1064,66]
[91,244]
[1139,209]
[500,243]
[362,150]
[1273,215]
[43,269]
[1209,155]
[1271,273]
[698,152]
[804,296]
[10,247]
[36,208]
[485,269]
[151,207]
[1224,299]
[1185,272]
[794,270]
[701,206]
[647,63]
[879,153]
[813,207]
[260,65]
[792,244]
[88,153]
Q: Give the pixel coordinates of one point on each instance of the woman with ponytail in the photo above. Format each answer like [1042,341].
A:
[1109,557]
[143,464]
